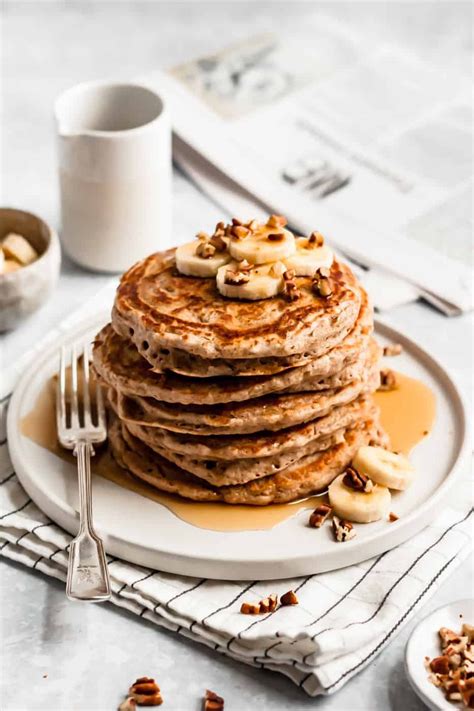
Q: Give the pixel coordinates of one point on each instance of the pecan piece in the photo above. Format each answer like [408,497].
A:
[392,517]
[440,665]
[276,221]
[213,702]
[319,515]
[205,250]
[218,243]
[316,239]
[388,380]
[357,481]
[343,530]
[236,278]
[322,284]
[268,604]
[289,598]
[248,608]
[290,290]
[146,692]
[239,231]
[393,349]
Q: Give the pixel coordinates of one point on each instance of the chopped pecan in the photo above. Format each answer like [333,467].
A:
[268,604]
[290,290]
[289,598]
[239,231]
[393,349]
[466,688]
[357,481]
[146,692]
[236,222]
[236,278]
[440,665]
[392,517]
[218,243]
[276,221]
[322,284]
[248,608]
[205,250]
[468,631]
[319,515]
[388,380]
[343,530]
[213,702]
[447,635]
[316,239]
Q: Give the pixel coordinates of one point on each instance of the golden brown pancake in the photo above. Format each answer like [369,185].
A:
[118,362]
[156,307]
[308,476]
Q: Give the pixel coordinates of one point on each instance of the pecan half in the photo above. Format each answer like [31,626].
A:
[289,598]
[213,702]
[357,481]
[388,380]
[319,515]
[343,530]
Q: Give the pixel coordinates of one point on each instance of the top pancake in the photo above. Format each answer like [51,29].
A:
[156,307]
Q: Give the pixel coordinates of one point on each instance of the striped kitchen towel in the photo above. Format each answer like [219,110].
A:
[344,617]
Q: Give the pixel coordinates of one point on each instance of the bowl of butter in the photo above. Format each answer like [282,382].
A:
[30,258]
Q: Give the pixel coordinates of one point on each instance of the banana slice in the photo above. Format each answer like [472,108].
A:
[261,282]
[359,506]
[309,257]
[384,467]
[265,245]
[190,263]
[18,248]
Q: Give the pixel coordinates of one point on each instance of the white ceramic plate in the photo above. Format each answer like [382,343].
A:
[424,642]
[146,533]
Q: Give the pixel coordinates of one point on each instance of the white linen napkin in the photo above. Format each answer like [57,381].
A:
[344,617]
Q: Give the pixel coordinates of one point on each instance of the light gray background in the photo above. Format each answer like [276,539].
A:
[91,653]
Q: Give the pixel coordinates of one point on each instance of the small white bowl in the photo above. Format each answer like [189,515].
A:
[26,289]
[424,642]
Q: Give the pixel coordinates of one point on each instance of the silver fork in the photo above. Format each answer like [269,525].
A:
[87,575]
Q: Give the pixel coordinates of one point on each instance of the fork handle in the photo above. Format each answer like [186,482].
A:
[88,577]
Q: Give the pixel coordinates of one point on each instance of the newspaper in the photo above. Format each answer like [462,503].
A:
[370,146]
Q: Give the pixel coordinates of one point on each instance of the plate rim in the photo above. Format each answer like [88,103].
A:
[175,561]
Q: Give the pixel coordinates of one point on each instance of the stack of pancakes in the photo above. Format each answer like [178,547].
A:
[219,399]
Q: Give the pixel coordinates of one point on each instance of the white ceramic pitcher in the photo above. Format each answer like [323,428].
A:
[115,174]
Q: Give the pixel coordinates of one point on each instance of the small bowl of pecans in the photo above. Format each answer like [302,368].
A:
[30,257]
[439,657]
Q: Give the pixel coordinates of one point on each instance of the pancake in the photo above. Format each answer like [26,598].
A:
[308,476]
[158,308]
[259,444]
[120,365]
[224,473]
[271,412]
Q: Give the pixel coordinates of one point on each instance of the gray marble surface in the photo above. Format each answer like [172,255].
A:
[58,655]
